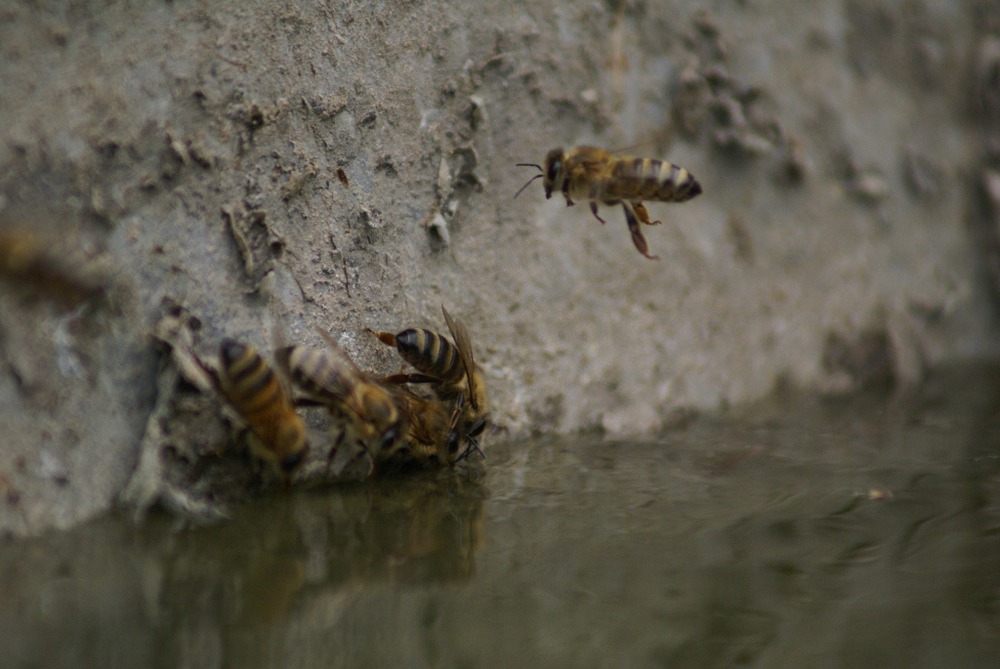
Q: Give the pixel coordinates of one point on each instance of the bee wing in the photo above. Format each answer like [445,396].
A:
[292,380]
[625,151]
[464,344]
[195,370]
[410,378]
[350,400]
[339,351]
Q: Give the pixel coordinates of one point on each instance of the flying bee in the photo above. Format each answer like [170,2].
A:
[369,411]
[451,370]
[258,396]
[595,175]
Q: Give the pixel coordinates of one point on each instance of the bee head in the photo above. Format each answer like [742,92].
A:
[476,429]
[553,171]
[389,437]
[290,462]
[469,433]
[453,443]
[549,174]
[291,438]
[290,446]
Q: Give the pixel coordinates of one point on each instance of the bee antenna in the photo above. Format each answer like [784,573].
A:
[473,443]
[537,176]
[473,447]
[535,165]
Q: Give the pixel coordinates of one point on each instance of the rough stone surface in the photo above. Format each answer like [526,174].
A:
[276,167]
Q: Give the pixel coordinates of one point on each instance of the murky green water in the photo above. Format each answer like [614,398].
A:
[857,533]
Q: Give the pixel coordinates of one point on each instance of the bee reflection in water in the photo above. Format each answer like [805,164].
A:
[282,557]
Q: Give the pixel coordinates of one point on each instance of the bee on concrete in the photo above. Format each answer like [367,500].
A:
[451,370]
[426,439]
[278,434]
[369,411]
[595,175]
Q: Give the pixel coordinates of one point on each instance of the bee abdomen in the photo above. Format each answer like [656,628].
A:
[311,370]
[656,180]
[254,390]
[430,353]
[250,382]
[676,184]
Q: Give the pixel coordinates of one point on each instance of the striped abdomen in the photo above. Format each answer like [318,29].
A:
[640,179]
[431,354]
[332,379]
[254,390]
[318,373]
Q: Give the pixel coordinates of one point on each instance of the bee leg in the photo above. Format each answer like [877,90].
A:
[453,436]
[386,338]
[593,209]
[261,458]
[473,447]
[640,211]
[337,443]
[473,443]
[410,378]
[308,402]
[633,228]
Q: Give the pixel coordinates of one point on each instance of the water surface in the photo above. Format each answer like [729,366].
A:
[801,533]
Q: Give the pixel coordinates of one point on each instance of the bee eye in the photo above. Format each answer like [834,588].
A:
[388,438]
[477,428]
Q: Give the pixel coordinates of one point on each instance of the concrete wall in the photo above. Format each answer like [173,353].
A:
[188,155]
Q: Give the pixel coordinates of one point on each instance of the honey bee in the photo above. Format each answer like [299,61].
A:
[258,396]
[595,175]
[428,437]
[370,413]
[451,370]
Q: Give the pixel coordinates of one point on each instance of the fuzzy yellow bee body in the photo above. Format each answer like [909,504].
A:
[596,176]
[451,371]
[258,396]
